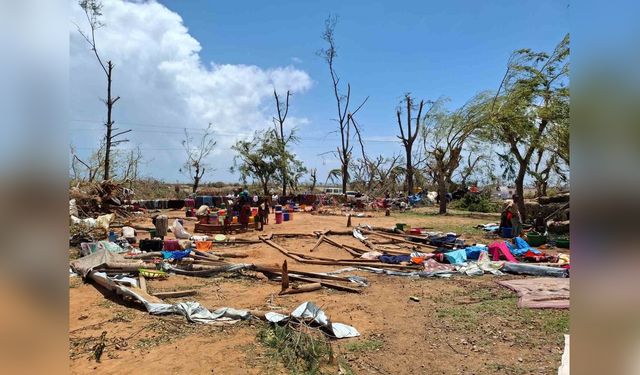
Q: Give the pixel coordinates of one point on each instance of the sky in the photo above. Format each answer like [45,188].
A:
[185,64]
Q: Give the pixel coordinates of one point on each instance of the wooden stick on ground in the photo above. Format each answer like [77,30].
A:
[302,288]
[320,240]
[285,277]
[418,244]
[142,282]
[178,293]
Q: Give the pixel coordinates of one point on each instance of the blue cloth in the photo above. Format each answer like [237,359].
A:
[473,252]
[521,247]
[442,240]
[456,256]
[175,254]
[413,199]
[207,200]
[395,259]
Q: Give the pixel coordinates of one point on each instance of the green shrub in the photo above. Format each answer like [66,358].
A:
[476,203]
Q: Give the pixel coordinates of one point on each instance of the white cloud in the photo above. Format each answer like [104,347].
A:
[163,81]
[296,60]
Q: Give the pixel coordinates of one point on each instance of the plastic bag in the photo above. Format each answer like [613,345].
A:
[104,221]
[73,208]
[178,230]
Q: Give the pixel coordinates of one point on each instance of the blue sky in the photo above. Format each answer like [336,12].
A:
[451,49]
[431,49]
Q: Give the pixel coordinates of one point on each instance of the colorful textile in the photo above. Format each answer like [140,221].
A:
[499,249]
[473,252]
[171,245]
[541,293]
[204,245]
[430,265]
[175,254]
[456,256]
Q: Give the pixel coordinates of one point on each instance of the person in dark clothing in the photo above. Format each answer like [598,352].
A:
[243,217]
[267,212]
[261,216]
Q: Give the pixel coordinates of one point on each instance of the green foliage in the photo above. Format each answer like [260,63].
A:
[262,158]
[302,350]
[257,158]
[476,203]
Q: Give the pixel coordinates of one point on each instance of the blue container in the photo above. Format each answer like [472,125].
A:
[112,236]
[285,216]
[207,200]
[507,232]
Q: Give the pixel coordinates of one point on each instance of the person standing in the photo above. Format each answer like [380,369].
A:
[245,212]
[261,216]
[516,218]
[267,211]
[255,199]
[274,199]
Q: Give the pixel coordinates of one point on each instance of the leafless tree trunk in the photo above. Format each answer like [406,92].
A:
[409,137]
[92,9]
[343,102]
[195,165]
[283,111]
[314,179]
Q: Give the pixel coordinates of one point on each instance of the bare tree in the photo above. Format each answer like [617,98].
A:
[345,118]
[93,11]
[289,168]
[314,179]
[132,162]
[93,165]
[195,165]
[409,136]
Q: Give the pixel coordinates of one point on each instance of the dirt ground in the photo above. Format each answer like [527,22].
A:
[462,325]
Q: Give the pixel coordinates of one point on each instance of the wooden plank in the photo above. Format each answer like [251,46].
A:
[315,275]
[285,277]
[302,289]
[399,239]
[143,282]
[320,240]
[178,293]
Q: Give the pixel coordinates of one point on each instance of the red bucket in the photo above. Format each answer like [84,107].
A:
[278,217]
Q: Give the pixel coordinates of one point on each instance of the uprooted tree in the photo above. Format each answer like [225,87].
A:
[93,12]
[195,165]
[347,126]
[531,110]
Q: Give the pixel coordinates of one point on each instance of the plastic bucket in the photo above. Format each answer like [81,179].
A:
[400,226]
[234,220]
[278,217]
[152,233]
[213,219]
[285,216]
[204,219]
[562,242]
[291,216]
[507,232]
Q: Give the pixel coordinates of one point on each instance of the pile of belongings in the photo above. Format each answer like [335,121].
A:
[99,197]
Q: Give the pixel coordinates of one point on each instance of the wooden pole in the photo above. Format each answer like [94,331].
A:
[302,289]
